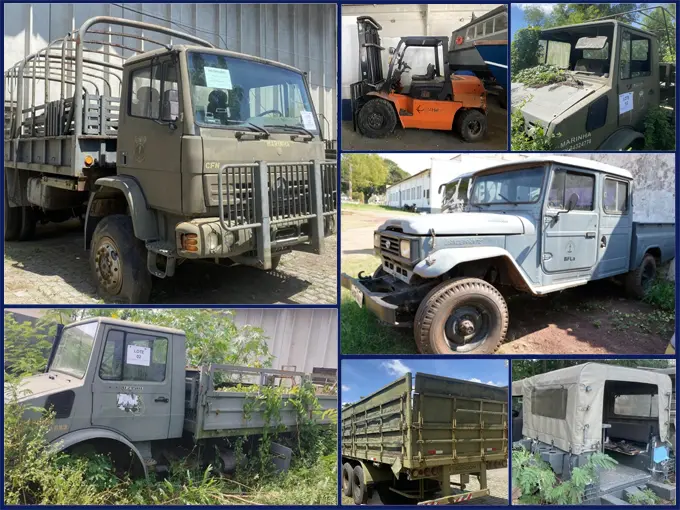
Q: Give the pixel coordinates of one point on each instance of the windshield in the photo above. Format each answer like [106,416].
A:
[456,195]
[74,350]
[232,92]
[508,187]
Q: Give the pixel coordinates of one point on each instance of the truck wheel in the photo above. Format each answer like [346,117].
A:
[12,219]
[347,477]
[471,125]
[28,221]
[118,261]
[639,281]
[377,118]
[463,315]
[359,493]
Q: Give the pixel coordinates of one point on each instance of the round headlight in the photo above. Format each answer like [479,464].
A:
[405,248]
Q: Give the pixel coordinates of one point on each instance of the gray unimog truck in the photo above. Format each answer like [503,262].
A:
[534,226]
[568,414]
[123,389]
[613,78]
[181,152]
[407,440]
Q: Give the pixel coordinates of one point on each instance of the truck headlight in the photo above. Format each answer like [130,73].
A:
[405,248]
[376,240]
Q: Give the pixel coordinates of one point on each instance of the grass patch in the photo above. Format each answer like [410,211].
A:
[348,206]
[360,331]
[662,295]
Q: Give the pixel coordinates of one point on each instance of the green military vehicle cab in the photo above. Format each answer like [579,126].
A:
[182,152]
[613,78]
[406,440]
[124,389]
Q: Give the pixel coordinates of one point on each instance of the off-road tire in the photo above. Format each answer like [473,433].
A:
[12,222]
[275,263]
[633,280]
[471,125]
[117,232]
[373,110]
[438,305]
[347,478]
[359,492]
[28,221]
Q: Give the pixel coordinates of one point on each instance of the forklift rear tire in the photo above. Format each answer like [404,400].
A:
[471,125]
[359,492]
[12,219]
[28,221]
[347,477]
[118,261]
[639,281]
[461,315]
[377,118]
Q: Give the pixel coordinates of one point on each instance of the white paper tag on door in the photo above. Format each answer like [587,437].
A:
[137,355]
[307,119]
[217,78]
[625,102]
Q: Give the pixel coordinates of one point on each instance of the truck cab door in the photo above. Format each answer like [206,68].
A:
[570,236]
[616,228]
[150,131]
[638,84]
[131,389]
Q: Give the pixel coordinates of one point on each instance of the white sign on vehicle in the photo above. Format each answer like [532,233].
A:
[137,355]
[217,78]
[625,102]
[307,119]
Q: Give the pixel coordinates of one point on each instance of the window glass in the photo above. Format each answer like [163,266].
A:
[170,100]
[601,54]
[75,347]
[640,61]
[624,59]
[145,92]
[551,403]
[488,27]
[643,406]
[564,184]
[515,186]
[501,22]
[615,196]
[558,54]
[134,357]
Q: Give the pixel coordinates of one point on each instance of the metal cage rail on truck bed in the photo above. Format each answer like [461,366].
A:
[41,137]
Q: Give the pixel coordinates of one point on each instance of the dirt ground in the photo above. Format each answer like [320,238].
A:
[496,480]
[425,139]
[592,319]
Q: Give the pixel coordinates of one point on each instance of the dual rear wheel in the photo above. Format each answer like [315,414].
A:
[353,483]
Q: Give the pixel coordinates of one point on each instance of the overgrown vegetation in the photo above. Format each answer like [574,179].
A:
[662,295]
[659,130]
[541,75]
[539,485]
[644,497]
[35,474]
[521,141]
[525,51]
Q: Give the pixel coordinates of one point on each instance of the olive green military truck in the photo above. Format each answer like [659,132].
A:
[406,441]
[123,389]
[185,151]
[613,78]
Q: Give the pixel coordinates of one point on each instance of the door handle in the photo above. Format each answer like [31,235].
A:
[603,242]
[590,235]
[165,400]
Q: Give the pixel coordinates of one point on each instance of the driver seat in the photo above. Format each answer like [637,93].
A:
[429,75]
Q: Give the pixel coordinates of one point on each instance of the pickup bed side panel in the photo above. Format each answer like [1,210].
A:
[658,237]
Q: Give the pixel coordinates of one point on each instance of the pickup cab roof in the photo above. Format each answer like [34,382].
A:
[128,324]
[564,160]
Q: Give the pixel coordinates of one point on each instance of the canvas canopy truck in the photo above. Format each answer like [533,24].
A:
[573,412]
[535,226]
[613,78]
[196,153]
[405,441]
[121,388]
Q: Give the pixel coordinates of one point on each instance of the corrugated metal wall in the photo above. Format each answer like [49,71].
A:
[301,35]
[303,338]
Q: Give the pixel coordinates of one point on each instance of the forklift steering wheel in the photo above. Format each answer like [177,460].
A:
[405,66]
[269,111]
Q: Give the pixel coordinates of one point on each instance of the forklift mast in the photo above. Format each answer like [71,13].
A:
[370,57]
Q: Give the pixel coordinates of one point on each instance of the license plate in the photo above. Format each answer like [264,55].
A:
[357,295]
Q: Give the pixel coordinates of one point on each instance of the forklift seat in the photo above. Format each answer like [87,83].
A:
[429,75]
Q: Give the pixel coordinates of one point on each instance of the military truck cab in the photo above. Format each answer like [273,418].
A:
[535,226]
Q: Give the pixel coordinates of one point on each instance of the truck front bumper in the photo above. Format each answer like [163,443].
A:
[390,299]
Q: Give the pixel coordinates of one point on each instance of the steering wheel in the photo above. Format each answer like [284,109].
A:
[270,111]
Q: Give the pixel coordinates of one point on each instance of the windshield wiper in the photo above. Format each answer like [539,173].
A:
[296,128]
[507,200]
[252,126]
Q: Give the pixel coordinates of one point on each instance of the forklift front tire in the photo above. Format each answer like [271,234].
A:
[377,118]
[471,125]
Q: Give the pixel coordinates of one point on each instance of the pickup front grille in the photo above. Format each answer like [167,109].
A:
[389,245]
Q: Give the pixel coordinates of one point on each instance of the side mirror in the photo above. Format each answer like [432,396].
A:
[572,202]
[391,50]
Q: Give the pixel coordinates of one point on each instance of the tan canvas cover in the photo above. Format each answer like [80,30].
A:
[583,387]
[518,388]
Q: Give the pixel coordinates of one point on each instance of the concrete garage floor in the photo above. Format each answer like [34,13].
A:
[427,140]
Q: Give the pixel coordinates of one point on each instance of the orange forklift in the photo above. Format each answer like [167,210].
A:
[435,100]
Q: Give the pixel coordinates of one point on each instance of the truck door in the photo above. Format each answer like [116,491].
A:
[616,228]
[150,132]
[637,87]
[570,237]
[131,391]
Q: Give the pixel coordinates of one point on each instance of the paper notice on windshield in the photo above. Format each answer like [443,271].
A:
[625,102]
[137,355]
[307,119]
[217,78]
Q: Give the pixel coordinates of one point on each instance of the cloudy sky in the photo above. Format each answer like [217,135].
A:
[361,377]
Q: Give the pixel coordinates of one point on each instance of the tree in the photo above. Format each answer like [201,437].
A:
[394,172]
[525,51]
[368,172]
